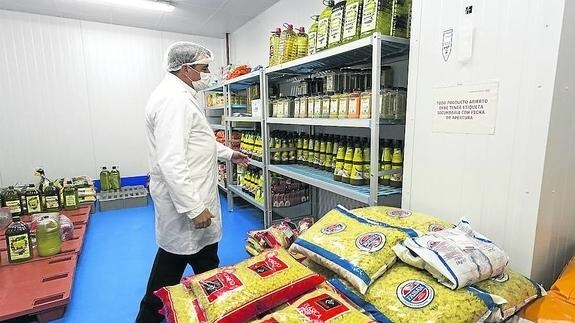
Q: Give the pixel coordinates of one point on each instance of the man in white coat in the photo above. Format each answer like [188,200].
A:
[183,155]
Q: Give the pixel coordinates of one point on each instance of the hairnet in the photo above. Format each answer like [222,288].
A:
[186,53]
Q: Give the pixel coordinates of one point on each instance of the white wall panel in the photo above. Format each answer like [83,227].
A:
[73,94]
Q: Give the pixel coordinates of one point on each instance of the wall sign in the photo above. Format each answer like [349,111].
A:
[468,108]
[447,44]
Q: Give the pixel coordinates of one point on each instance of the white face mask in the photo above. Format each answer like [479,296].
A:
[203,82]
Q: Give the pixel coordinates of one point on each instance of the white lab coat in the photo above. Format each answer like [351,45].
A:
[183,157]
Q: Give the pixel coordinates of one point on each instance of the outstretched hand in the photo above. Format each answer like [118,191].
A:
[240,158]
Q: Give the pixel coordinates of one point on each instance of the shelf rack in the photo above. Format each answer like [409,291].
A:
[374,51]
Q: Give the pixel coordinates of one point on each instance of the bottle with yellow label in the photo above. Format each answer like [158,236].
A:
[328,153]
[293,150]
[299,148]
[365,105]
[352,20]
[316,151]
[277,155]
[312,36]
[322,150]
[386,157]
[376,17]
[348,161]
[356,177]
[18,241]
[335,147]
[336,24]
[284,146]
[311,152]
[366,161]
[323,25]
[340,159]
[70,196]
[396,163]
[33,201]
[305,151]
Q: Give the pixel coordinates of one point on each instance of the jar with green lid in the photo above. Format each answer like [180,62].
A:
[325,105]
[48,236]
[334,106]
[376,17]
[401,18]
[336,24]
[352,20]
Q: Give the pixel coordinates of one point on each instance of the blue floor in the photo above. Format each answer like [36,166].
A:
[117,256]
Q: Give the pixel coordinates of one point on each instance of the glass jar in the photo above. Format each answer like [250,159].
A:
[334,106]
[325,105]
[365,105]
[297,108]
[342,106]
[354,104]
[289,106]
[387,103]
[304,101]
[317,106]
[400,106]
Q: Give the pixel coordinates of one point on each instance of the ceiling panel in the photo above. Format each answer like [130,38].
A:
[212,18]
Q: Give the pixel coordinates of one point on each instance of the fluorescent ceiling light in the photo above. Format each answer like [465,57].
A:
[140,4]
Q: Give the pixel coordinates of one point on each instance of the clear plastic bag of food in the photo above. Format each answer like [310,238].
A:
[67,228]
[407,294]
[252,287]
[457,257]
[420,222]
[321,305]
[5,217]
[180,305]
[516,290]
[356,249]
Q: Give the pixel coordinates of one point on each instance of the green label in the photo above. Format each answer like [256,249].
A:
[368,22]
[351,17]
[14,206]
[335,26]
[33,203]
[70,200]
[311,45]
[19,247]
[322,32]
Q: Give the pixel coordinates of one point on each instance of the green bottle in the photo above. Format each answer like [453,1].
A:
[356,177]
[70,196]
[18,241]
[334,150]
[352,20]
[316,151]
[376,17]
[336,24]
[299,147]
[277,144]
[311,153]
[323,26]
[293,151]
[328,154]
[33,201]
[13,201]
[348,162]
[366,161]
[386,158]
[305,151]
[312,36]
[340,159]
[401,18]
[396,163]
[115,179]
[48,237]
[104,179]
[51,198]
[322,152]
[284,146]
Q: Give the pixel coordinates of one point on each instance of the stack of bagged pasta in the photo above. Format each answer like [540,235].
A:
[447,273]
[280,235]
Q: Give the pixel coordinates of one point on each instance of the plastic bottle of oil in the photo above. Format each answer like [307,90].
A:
[310,149]
[348,162]
[340,159]
[336,24]
[18,242]
[386,157]
[328,154]
[288,44]
[51,198]
[12,200]
[352,20]
[356,177]
[275,47]
[323,25]
[70,194]
[401,18]
[104,179]
[33,199]
[335,148]
[376,17]
[115,179]
[316,151]
[305,151]
[302,43]
[312,36]
[322,152]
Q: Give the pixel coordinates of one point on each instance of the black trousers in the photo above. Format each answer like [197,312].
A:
[167,270]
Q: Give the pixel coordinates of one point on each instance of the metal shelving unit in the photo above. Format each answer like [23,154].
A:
[373,51]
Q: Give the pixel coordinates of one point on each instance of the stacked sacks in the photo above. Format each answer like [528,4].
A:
[280,235]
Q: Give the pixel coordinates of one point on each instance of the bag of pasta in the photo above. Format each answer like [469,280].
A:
[321,305]
[420,222]
[457,257]
[256,285]
[516,290]
[354,248]
[180,305]
[407,294]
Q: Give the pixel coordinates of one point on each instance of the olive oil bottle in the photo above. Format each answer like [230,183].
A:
[70,195]
[386,161]
[105,179]
[322,150]
[356,177]
[51,198]
[395,180]
[366,161]
[33,201]
[18,241]
[115,181]
[348,162]
[340,159]
[12,201]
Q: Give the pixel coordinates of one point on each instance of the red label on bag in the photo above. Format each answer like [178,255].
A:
[321,308]
[268,267]
[219,284]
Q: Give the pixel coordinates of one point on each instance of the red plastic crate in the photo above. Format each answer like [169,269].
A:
[40,288]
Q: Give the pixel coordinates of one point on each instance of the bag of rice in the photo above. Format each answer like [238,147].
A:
[180,305]
[516,290]
[457,257]
[321,305]
[354,248]
[256,285]
[407,294]
[420,222]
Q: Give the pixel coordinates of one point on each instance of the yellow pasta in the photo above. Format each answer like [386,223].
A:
[418,221]
[179,304]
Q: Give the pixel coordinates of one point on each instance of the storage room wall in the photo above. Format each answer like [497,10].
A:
[250,43]
[74,92]
[493,180]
